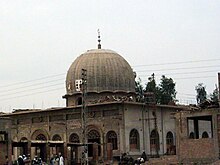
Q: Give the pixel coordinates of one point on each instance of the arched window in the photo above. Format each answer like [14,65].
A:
[169,138]
[171,149]
[154,141]
[41,137]
[205,135]
[57,138]
[24,139]
[191,135]
[134,140]
[74,138]
[112,138]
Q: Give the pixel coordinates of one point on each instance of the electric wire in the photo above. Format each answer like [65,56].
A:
[30,94]
[198,67]
[183,62]
[23,82]
[27,90]
[51,76]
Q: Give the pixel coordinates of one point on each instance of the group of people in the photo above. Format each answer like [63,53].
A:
[57,160]
[128,160]
[22,159]
[36,161]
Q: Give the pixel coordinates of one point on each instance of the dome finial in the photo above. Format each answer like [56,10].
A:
[99,40]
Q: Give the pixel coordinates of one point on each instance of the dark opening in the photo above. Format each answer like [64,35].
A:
[196,126]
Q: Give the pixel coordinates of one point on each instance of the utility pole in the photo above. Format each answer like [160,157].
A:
[150,99]
[83,118]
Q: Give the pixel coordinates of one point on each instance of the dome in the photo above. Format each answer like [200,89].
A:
[107,71]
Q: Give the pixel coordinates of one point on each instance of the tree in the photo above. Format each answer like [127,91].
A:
[166,90]
[151,87]
[201,93]
[214,95]
[139,90]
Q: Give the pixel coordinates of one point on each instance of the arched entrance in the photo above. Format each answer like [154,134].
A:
[38,144]
[94,140]
[73,146]
[56,145]
[24,146]
[112,138]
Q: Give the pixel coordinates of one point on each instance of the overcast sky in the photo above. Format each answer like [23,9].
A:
[39,39]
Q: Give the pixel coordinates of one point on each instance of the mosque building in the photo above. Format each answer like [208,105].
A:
[102,111]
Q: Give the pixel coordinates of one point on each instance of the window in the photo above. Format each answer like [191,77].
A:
[56,138]
[196,127]
[205,135]
[134,140]
[74,138]
[154,141]
[112,138]
[169,138]
[191,135]
[171,149]
[41,137]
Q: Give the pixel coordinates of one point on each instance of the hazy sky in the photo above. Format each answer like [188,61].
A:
[39,39]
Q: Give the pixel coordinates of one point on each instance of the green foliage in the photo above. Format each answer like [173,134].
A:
[214,95]
[151,85]
[201,93]
[165,92]
[139,90]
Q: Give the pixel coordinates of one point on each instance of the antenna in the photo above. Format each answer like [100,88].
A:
[99,40]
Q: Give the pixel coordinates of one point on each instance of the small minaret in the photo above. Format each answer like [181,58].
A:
[99,40]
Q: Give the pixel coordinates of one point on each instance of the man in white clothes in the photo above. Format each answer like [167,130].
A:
[61,160]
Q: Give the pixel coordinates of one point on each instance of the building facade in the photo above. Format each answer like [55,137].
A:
[102,111]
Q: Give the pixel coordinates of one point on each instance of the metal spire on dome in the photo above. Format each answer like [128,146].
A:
[99,40]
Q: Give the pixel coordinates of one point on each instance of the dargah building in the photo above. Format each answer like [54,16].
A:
[102,111]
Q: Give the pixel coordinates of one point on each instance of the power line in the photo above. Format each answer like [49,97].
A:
[181,73]
[36,84]
[153,70]
[171,63]
[144,80]
[52,90]
[27,90]
[24,82]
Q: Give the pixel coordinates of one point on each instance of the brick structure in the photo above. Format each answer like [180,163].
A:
[5,140]
[197,136]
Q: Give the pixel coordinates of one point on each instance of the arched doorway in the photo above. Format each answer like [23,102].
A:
[112,138]
[24,146]
[73,148]
[56,145]
[93,138]
[39,144]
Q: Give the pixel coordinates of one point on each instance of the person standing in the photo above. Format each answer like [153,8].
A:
[20,160]
[61,159]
